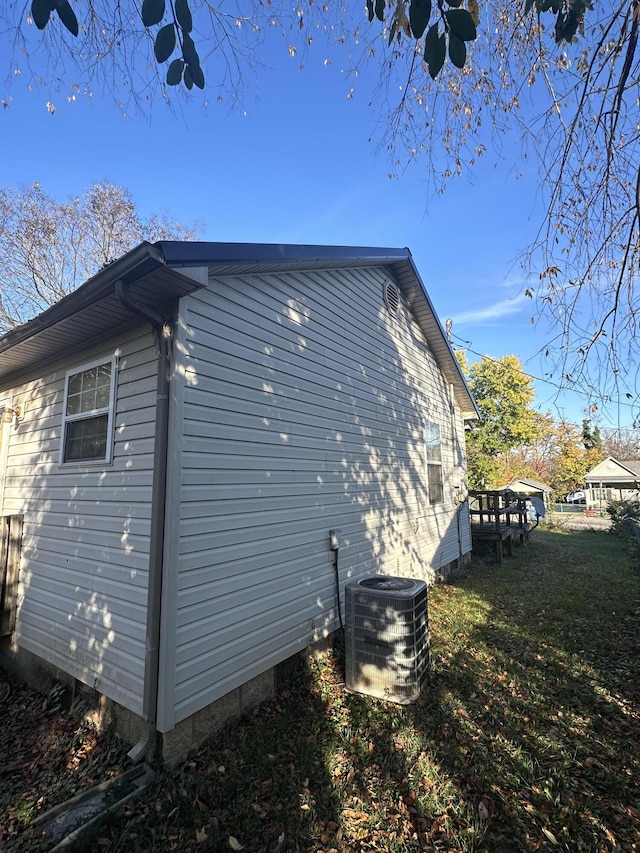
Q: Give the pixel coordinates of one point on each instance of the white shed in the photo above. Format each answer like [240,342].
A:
[179,436]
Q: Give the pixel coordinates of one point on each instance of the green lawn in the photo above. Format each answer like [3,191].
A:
[528,738]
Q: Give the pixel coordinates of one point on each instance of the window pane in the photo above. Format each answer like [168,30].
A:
[433,459]
[89,379]
[86,439]
[102,396]
[432,442]
[88,400]
[73,404]
[89,390]
[104,373]
[75,383]
[436,491]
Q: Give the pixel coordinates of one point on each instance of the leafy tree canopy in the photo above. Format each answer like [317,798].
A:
[591,438]
[504,394]
[513,441]
[48,248]
[571,459]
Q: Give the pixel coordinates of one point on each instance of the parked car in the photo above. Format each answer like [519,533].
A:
[577,498]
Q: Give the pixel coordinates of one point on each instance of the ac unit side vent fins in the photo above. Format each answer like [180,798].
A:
[387,651]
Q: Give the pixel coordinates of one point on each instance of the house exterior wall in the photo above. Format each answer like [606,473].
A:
[610,481]
[83,580]
[600,496]
[299,406]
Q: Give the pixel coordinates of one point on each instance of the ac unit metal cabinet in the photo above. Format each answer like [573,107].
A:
[387,637]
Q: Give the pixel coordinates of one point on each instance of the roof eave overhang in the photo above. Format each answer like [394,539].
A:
[135,263]
[93,311]
[262,256]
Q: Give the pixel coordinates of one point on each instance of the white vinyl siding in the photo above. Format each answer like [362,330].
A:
[302,410]
[83,581]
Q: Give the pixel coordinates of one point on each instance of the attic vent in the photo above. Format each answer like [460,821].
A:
[391,297]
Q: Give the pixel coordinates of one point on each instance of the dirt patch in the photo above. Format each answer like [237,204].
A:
[575,521]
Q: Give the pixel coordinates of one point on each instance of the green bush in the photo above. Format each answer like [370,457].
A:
[618,511]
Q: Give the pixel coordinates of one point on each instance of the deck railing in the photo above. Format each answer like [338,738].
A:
[497,515]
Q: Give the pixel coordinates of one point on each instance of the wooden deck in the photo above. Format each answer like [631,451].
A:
[498,516]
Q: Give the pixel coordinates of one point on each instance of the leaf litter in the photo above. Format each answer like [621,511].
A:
[48,754]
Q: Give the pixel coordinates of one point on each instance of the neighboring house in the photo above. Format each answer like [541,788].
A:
[611,480]
[525,486]
[179,437]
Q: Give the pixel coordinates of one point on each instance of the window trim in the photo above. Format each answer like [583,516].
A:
[104,410]
[434,463]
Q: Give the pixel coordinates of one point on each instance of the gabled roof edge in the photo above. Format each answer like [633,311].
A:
[177,253]
[456,363]
[174,254]
[624,465]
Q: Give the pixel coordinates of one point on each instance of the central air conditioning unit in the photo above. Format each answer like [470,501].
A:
[387,637]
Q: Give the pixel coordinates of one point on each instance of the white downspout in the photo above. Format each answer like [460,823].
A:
[163,331]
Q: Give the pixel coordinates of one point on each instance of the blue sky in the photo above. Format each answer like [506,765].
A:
[299,165]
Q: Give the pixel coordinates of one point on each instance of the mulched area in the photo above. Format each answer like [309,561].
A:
[48,753]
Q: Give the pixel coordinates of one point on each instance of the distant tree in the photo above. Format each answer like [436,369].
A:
[504,394]
[622,444]
[48,248]
[591,438]
[514,466]
[535,459]
[463,361]
[512,440]
[484,470]
[571,459]
[557,457]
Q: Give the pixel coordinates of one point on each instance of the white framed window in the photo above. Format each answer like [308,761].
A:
[87,420]
[433,460]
